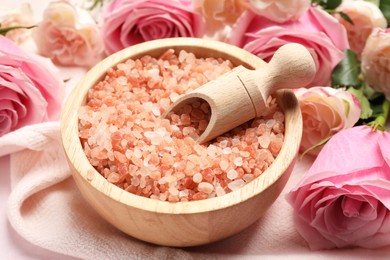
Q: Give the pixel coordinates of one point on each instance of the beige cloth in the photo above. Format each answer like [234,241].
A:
[46,208]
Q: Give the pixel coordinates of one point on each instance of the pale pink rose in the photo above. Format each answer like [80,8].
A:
[129,22]
[318,31]
[68,36]
[325,111]
[30,90]
[21,16]
[280,10]
[219,14]
[365,17]
[375,61]
[344,198]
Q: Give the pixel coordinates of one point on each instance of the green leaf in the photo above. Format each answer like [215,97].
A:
[346,17]
[384,6]
[377,105]
[371,93]
[381,118]
[4,30]
[333,4]
[324,141]
[347,71]
[366,111]
[327,5]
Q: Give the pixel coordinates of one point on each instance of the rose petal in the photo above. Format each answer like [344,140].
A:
[130,22]
[354,141]
[9,116]
[30,85]
[262,37]
[383,142]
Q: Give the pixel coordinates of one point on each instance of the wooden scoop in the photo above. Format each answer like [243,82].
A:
[241,94]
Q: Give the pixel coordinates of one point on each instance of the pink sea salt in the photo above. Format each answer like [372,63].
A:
[127,141]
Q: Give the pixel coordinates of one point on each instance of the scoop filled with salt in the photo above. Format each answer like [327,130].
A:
[245,92]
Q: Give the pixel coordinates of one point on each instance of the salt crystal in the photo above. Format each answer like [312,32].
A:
[137,134]
[245,154]
[174,96]
[156,139]
[264,140]
[224,165]
[147,106]
[232,174]
[113,177]
[197,177]
[227,150]
[220,191]
[238,161]
[124,143]
[205,187]
[248,177]
[235,185]
[173,191]
[185,119]
[135,181]
[137,152]
[154,73]
[270,123]
[183,193]
[205,107]
[193,158]
[278,116]
[212,150]
[164,103]
[112,129]
[163,197]
[223,143]
[156,111]
[142,183]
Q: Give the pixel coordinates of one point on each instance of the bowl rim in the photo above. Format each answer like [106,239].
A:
[81,166]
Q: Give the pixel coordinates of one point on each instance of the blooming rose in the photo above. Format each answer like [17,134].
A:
[128,22]
[365,17]
[322,34]
[325,111]
[68,36]
[218,14]
[281,10]
[21,16]
[344,198]
[375,61]
[30,92]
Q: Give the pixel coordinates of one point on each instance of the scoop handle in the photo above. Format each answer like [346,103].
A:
[291,66]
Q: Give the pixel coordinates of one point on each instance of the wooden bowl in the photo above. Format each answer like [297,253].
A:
[179,223]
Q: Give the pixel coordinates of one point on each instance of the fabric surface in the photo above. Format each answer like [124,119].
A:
[46,208]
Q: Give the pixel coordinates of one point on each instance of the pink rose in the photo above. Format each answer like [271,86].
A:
[322,34]
[218,14]
[68,36]
[128,22]
[344,198]
[365,16]
[21,16]
[325,111]
[375,57]
[280,10]
[30,91]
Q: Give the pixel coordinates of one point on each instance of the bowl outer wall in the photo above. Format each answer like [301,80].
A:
[180,223]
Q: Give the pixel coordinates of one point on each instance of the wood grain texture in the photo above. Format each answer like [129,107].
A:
[246,91]
[182,223]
